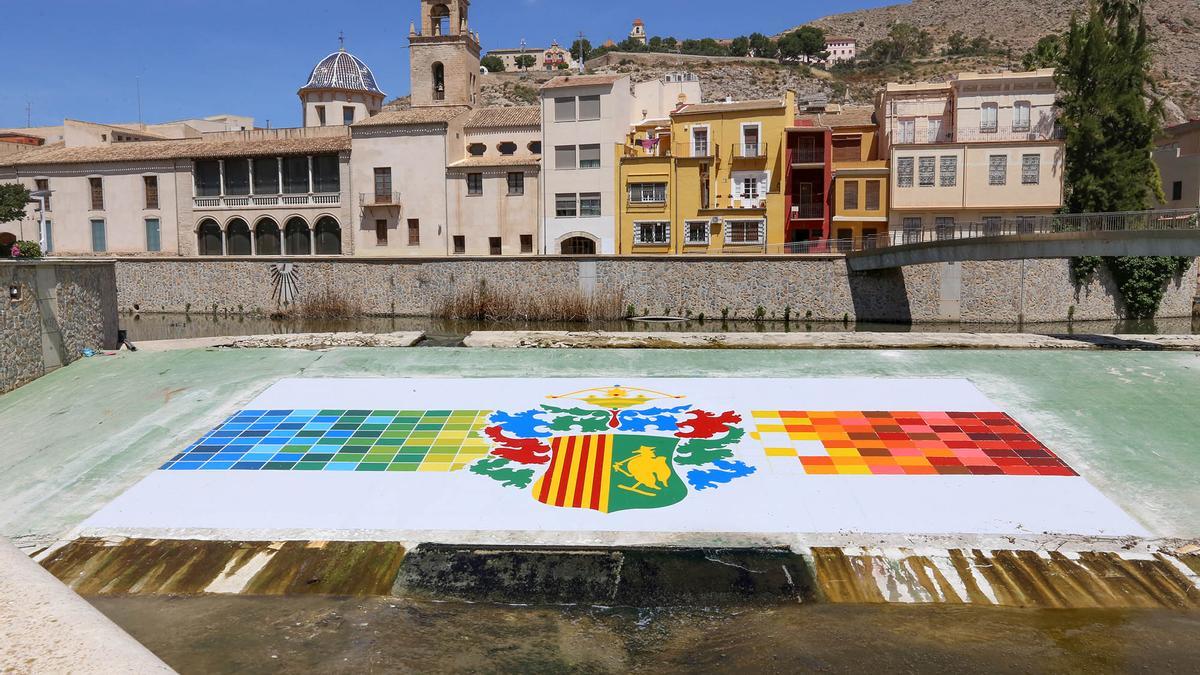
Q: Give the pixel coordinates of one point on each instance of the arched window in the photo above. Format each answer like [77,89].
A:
[535,147]
[7,239]
[439,81]
[329,237]
[237,237]
[297,237]
[266,237]
[477,149]
[507,148]
[208,238]
[578,246]
[439,18]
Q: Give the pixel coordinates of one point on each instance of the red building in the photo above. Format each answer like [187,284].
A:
[808,181]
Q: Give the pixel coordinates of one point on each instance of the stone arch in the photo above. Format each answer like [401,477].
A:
[297,237]
[237,237]
[7,241]
[578,243]
[328,233]
[209,238]
[439,81]
[267,239]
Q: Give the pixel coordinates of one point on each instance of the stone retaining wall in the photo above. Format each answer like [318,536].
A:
[62,308]
[819,288]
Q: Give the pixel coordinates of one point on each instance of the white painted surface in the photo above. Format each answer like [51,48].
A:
[779,498]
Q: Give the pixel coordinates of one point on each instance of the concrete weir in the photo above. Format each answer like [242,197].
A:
[632,576]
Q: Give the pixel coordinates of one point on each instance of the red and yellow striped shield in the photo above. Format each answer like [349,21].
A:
[579,473]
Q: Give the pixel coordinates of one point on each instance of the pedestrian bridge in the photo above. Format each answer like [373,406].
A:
[1141,233]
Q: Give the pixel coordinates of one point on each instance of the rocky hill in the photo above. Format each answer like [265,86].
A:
[1017,24]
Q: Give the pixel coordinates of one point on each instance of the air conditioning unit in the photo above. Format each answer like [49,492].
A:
[715,220]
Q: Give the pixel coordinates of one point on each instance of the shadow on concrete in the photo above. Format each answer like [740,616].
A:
[880,295]
[1110,341]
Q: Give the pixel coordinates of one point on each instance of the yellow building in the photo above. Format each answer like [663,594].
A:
[708,180]
[860,176]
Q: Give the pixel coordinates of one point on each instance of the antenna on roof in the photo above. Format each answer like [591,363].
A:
[28,113]
[139,98]
[582,53]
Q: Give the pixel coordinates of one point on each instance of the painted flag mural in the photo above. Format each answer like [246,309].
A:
[397,457]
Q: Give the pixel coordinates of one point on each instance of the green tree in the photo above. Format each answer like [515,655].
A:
[526,61]
[740,46]
[582,49]
[807,43]
[671,44]
[494,64]
[1045,54]
[13,199]
[631,45]
[763,46]
[655,44]
[904,43]
[1111,113]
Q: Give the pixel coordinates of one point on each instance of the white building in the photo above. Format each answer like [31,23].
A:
[841,49]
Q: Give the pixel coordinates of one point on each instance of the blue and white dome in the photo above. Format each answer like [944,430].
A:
[343,70]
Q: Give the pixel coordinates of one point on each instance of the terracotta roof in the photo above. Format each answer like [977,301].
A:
[735,106]
[850,116]
[518,116]
[396,118]
[158,150]
[526,160]
[581,80]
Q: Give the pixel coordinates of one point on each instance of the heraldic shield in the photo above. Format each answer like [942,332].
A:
[611,472]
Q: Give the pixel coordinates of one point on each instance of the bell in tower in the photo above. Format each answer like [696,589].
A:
[444,56]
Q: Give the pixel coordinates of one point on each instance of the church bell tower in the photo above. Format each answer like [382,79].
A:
[444,55]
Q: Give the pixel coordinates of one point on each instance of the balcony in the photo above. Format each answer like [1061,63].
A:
[808,211]
[800,157]
[379,200]
[1015,134]
[750,150]
[696,150]
[247,201]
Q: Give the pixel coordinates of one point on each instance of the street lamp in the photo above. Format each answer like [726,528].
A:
[40,196]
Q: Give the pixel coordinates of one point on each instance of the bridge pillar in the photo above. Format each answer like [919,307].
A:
[950,292]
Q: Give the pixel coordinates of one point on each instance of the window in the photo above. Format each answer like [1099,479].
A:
[383,185]
[1031,169]
[237,177]
[516,183]
[647,193]
[565,206]
[43,185]
[696,232]
[535,147]
[564,157]
[904,172]
[744,231]
[850,195]
[989,118]
[1026,224]
[99,236]
[949,172]
[347,115]
[997,170]
[699,141]
[495,246]
[1020,116]
[414,232]
[266,176]
[208,178]
[381,233]
[589,205]
[153,235]
[527,243]
[49,234]
[295,175]
[474,184]
[747,187]
[1176,193]
[911,229]
[97,189]
[477,149]
[992,226]
[151,183]
[589,107]
[907,131]
[873,187]
[751,145]
[927,167]
[564,109]
[460,243]
[589,156]
[652,233]
[326,178]
[847,149]
[944,227]
[507,148]
[321,115]
[578,246]
[933,131]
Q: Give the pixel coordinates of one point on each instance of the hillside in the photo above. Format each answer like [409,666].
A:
[1017,25]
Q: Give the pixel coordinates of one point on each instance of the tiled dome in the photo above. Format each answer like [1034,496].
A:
[342,70]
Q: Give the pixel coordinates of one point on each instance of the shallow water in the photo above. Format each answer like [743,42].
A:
[444,332]
[317,634]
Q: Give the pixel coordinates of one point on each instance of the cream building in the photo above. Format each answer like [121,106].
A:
[551,58]
[979,149]
[1178,159]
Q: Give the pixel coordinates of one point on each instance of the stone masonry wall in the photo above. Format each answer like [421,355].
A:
[63,307]
[973,292]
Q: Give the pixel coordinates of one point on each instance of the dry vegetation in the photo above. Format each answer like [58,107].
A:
[327,304]
[481,303]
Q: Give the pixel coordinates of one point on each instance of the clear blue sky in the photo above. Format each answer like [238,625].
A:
[82,59]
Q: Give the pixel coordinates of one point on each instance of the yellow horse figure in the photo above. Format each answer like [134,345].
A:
[647,469]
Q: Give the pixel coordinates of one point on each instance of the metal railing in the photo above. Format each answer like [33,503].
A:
[807,211]
[707,150]
[1008,135]
[379,199]
[806,155]
[749,150]
[244,201]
